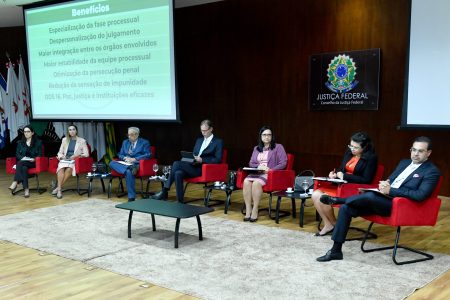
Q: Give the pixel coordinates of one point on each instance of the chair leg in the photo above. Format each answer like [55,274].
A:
[394,249]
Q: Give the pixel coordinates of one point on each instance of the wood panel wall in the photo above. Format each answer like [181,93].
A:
[244,64]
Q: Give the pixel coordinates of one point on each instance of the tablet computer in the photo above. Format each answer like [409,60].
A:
[187,156]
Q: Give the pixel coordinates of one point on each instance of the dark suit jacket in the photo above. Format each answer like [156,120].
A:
[213,153]
[419,184]
[141,151]
[35,150]
[365,169]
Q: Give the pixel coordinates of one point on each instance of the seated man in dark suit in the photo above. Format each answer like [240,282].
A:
[414,178]
[133,150]
[207,149]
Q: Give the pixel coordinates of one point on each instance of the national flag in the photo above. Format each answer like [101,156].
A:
[10,104]
[3,118]
[110,143]
[24,93]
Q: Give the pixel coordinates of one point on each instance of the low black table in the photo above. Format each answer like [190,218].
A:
[168,209]
[293,196]
[225,188]
[101,176]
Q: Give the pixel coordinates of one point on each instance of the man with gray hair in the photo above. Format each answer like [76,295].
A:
[133,150]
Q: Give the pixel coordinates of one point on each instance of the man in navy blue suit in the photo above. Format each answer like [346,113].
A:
[207,149]
[133,150]
[414,178]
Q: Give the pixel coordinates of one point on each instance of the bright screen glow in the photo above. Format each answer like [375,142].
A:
[102,60]
[427,99]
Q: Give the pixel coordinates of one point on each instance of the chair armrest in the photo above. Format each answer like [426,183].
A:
[215,172]
[53,164]
[350,189]
[406,212]
[278,180]
[41,164]
[83,164]
[240,176]
[146,167]
[10,162]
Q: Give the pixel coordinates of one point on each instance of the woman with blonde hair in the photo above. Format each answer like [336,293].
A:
[72,147]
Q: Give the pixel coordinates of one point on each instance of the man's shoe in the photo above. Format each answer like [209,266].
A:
[162,195]
[331,256]
[326,199]
[131,199]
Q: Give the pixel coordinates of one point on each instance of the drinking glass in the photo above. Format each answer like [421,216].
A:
[94,168]
[155,168]
[166,171]
[305,186]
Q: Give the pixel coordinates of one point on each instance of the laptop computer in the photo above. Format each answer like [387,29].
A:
[187,156]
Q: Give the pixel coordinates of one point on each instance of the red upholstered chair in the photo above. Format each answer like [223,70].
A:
[145,171]
[346,190]
[83,165]
[41,166]
[211,173]
[277,180]
[406,212]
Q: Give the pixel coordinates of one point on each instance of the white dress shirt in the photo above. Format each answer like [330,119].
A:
[205,144]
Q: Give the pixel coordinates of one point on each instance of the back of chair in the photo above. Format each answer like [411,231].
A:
[224,156]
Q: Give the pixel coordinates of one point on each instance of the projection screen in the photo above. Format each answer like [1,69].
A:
[102,60]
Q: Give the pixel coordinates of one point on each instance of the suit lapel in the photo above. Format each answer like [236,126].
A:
[419,171]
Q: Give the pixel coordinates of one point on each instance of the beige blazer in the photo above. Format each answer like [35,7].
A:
[81,150]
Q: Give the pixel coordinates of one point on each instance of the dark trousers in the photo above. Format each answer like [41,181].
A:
[365,204]
[22,172]
[181,170]
[129,177]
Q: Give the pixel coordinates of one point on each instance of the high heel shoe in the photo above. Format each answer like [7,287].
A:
[13,187]
[247,219]
[59,194]
[54,192]
[253,220]
[26,193]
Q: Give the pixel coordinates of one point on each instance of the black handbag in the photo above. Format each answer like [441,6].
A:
[301,177]
[99,168]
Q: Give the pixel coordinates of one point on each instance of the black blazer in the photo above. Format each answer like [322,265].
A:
[419,184]
[365,169]
[35,150]
[213,153]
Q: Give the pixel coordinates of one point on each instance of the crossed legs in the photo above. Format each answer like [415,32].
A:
[325,211]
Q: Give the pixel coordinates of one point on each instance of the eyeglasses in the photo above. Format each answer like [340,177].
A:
[351,147]
[266,134]
[420,151]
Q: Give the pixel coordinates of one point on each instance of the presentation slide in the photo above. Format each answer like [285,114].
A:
[427,100]
[102,60]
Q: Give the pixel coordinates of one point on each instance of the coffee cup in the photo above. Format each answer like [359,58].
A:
[217,183]
[289,190]
[311,191]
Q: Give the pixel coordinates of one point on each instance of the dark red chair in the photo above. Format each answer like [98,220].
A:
[406,212]
[277,180]
[83,165]
[211,173]
[145,171]
[41,166]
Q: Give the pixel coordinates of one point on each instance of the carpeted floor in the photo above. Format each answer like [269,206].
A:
[235,259]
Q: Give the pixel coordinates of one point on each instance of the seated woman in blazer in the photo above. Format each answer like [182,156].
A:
[72,146]
[267,155]
[358,166]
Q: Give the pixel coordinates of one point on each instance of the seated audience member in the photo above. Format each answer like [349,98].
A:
[72,147]
[414,178]
[133,150]
[267,155]
[359,165]
[207,150]
[28,148]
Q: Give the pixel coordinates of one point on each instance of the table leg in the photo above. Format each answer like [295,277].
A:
[177,229]
[199,224]
[294,209]
[103,185]
[277,213]
[302,211]
[208,196]
[90,187]
[227,202]
[130,217]
[153,222]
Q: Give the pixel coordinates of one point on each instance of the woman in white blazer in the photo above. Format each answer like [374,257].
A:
[72,147]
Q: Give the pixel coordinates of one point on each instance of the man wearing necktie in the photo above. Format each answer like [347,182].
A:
[207,149]
[414,178]
[132,151]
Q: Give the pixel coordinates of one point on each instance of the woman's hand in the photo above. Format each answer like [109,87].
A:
[332,174]
[340,175]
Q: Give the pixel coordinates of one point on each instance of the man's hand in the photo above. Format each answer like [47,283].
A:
[198,159]
[384,187]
